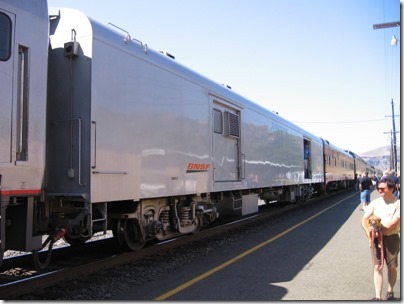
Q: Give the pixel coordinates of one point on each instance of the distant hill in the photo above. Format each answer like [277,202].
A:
[380,158]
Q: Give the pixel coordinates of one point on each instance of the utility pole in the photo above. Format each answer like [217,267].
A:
[394,140]
[393,153]
[391,158]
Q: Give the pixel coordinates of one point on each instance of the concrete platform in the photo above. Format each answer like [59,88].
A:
[317,253]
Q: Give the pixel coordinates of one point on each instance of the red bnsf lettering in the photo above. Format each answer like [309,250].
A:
[194,167]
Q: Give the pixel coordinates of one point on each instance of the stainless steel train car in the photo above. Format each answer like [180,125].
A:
[101,132]
[339,168]
[361,165]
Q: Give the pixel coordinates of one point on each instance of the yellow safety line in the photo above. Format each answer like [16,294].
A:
[240,256]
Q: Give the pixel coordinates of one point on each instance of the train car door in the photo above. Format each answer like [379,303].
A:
[307,158]
[226,139]
[6,85]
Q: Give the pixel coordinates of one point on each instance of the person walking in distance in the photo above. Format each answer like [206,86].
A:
[365,183]
[307,156]
[387,209]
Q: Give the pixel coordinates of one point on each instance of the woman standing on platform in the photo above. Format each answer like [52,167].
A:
[387,209]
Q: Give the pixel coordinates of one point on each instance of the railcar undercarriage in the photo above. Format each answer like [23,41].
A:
[162,219]
[290,194]
[135,222]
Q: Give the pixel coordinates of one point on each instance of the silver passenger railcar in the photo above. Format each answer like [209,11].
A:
[149,139]
[103,132]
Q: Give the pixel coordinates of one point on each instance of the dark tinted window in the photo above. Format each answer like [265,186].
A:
[5,37]
[217,121]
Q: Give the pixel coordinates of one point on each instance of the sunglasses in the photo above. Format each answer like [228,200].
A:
[381,189]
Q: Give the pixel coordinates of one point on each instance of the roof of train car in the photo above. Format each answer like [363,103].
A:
[355,155]
[340,150]
[119,38]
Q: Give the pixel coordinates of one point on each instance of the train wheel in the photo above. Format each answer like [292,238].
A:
[119,234]
[198,223]
[132,234]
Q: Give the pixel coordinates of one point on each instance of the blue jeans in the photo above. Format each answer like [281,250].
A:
[365,196]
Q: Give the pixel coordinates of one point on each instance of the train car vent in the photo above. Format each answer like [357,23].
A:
[232,124]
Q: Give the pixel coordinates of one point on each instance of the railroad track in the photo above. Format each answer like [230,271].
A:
[73,262]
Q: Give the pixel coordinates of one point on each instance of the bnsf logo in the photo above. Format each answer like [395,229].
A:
[194,167]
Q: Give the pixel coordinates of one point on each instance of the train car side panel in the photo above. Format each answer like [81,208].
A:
[153,127]
[22,120]
[23,98]
[273,156]
[8,20]
[141,131]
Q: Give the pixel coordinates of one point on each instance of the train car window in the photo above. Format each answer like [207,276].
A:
[5,37]
[217,121]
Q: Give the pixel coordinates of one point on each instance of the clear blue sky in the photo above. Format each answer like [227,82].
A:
[318,63]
